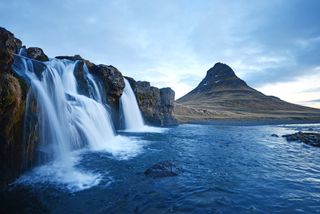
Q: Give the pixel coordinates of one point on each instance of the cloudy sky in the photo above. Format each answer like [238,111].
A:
[274,45]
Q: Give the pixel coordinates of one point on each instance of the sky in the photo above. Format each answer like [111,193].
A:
[273,45]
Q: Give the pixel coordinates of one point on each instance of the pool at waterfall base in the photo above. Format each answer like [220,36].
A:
[225,169]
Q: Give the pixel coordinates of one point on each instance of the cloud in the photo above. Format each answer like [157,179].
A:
[315,101]
[174,43]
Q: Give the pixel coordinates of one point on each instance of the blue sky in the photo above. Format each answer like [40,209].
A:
[274,45]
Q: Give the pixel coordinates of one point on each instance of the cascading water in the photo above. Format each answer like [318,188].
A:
[67,120]
[132,117]
[133,120]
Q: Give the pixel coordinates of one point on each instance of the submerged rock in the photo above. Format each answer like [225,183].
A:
[163,169]
[312,139]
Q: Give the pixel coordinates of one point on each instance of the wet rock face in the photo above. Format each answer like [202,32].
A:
[312,139]
[113,81]
[37,54]
[156,105]
[11,122]
[12,104]
[163,169]
[8,46]
[167,105]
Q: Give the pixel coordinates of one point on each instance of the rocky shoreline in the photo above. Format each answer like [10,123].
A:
[309,138]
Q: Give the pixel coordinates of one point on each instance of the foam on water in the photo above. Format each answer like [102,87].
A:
[122,147]
[61,175]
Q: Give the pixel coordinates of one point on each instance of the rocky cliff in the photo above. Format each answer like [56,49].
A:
[18,150]
[155,104]
[12,100]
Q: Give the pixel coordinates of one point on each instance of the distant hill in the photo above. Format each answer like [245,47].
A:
[223,95]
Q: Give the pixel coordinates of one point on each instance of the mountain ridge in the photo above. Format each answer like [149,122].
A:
[222,94]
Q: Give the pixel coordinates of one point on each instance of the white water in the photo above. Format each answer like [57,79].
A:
[133,120]
[132,116]
[69,121]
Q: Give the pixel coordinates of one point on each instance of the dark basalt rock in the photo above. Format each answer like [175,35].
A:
[37,54]
[113,81]
[163,169]
[167,104]
[219,76]
[9,45]
[156,105]
[12,105]
[312,139]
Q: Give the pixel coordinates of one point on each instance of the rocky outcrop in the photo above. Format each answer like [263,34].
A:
[9,45]
[37,54]
[113,81]
[167,105]
[312,139]
[156,105]
[12,104]
[163,169]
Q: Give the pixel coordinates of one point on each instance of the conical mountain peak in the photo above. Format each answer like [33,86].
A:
[219,77]
[220,70]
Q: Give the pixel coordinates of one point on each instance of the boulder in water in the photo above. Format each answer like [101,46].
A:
[312,139]
[163,169]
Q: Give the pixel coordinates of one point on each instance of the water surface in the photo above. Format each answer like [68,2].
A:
[226,169]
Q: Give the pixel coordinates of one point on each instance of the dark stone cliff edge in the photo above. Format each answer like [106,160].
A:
[155,104]
[17,154]
[12,100]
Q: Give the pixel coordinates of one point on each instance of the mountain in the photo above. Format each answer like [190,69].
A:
[223,95]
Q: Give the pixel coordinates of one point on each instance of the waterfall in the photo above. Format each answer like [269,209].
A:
[133,120]
[67,119]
